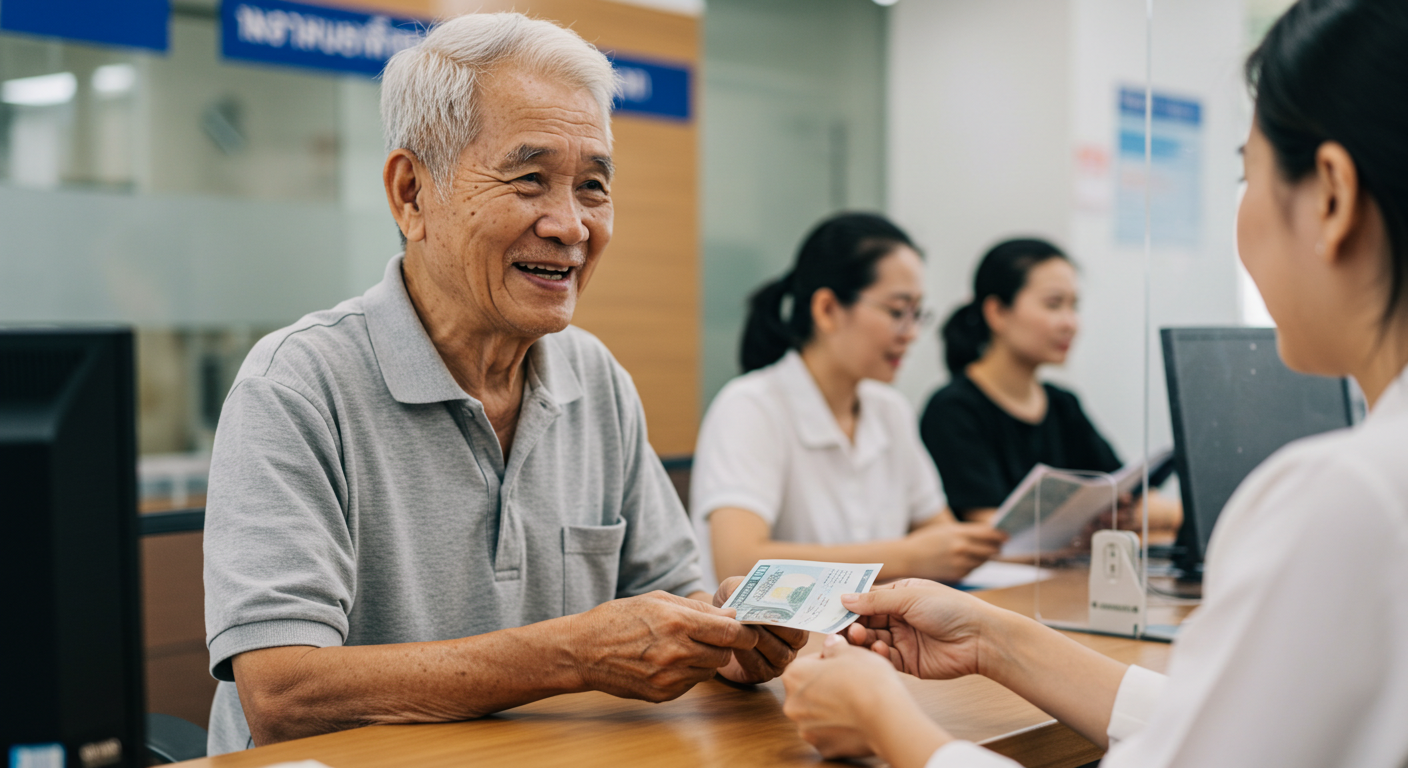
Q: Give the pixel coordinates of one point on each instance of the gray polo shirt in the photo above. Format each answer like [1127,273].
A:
[358,496]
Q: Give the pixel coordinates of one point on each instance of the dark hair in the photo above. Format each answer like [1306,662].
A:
[1336,70]
[1002,273]
[839,254]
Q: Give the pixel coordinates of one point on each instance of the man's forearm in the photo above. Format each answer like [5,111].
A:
[299,691]
[1072,683]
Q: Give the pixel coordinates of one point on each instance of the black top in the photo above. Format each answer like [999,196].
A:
[983,452]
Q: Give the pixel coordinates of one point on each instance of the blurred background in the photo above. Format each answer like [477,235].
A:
[208,194]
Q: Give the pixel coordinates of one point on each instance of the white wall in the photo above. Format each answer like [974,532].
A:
[978,110]
[989,104]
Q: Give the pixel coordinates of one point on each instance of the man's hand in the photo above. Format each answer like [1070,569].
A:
[776,647]
[654,646]
[948,551]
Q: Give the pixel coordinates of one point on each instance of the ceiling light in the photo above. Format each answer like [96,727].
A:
[114,79]
[886,3]
[41,91]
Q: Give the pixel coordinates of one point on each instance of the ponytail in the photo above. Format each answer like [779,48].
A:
[1002,273]
[766,337]
[966,335]
[840,255]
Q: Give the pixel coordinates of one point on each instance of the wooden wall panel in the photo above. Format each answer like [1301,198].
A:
[643,301]
[173,607]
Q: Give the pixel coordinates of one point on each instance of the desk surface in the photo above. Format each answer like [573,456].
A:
[712,725]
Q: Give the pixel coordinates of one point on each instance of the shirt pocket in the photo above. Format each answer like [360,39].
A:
[591,564]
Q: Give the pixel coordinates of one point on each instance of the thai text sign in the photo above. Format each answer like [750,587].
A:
[281,32]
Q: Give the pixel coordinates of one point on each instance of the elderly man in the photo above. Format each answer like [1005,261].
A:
[437,500]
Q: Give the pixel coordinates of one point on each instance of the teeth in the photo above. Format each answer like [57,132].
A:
[544,271]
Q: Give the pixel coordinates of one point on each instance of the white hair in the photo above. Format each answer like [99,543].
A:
[429,92]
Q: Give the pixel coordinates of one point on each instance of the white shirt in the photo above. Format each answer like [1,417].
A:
[770,444]
[1298,656]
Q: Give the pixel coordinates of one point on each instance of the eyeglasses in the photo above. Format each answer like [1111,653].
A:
[905,319]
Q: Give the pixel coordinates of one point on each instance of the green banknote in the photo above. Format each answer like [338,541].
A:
[801,594]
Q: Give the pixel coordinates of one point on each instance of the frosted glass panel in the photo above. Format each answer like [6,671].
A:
[205,202]
[793,129]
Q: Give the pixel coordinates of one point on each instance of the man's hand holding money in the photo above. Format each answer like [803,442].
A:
[775,649]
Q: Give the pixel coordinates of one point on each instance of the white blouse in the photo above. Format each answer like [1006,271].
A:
[770,444]
[1298,656]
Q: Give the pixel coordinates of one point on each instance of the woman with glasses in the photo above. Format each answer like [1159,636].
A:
[996,419]
[810,455]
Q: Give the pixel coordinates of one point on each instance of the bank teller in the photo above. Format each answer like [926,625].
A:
[996,419]
[810,455]
[1298,657]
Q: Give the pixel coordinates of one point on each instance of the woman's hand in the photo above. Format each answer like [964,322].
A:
[849,702]
[925,629]
[948,551]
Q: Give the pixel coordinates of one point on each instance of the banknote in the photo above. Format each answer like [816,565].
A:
[801,594]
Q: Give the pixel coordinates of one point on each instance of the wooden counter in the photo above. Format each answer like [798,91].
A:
[714,725]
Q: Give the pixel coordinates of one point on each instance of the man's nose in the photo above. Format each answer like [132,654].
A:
[561,219]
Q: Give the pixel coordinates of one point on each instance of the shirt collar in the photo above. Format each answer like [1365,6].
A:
[1394,399]
[816,425]
[412,367]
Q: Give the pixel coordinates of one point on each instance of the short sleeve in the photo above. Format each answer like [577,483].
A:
[275,507]
[659,551]
[963,452]
[740,458]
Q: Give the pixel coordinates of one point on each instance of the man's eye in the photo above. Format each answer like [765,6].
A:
[896,314]
[594,185]
[531,178]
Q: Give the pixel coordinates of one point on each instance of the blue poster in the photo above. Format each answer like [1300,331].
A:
[314,36]
[652,88]
[136,23]
[1175,173]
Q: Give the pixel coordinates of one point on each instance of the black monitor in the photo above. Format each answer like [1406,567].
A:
[1234,403]
[69,581]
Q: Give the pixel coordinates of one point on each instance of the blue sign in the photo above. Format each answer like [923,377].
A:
[652,88]
[314,36]
[1174,174]
[1165,107]
[137,23]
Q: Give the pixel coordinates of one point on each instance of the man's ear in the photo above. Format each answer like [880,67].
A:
[1339,200]
[824,307]
[406,180]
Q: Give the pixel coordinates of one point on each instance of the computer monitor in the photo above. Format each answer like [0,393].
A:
[69,581]
[1234,403]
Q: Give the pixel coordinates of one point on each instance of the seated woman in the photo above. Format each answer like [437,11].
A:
[996,420]
[809,456]
[1298,657]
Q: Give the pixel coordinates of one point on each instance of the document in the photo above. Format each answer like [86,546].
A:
[995,574]
[801,594]
[1068,502]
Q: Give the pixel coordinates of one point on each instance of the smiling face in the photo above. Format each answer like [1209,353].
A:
[512,244]
[1042,322]
[869,338]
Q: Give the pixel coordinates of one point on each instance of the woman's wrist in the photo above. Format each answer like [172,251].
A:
[899,732]
[1003,640]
